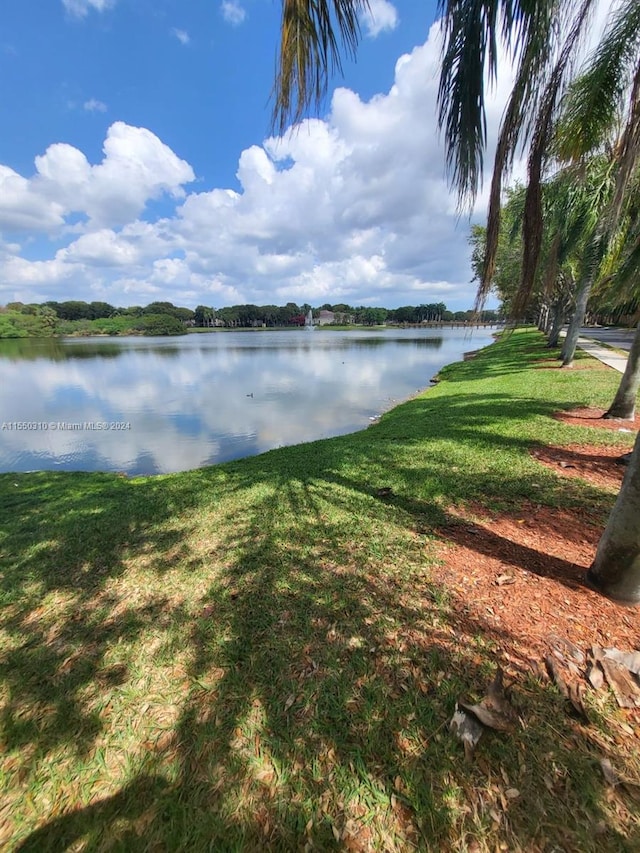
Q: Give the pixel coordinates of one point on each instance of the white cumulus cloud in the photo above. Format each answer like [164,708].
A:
[232,12]
[22,208]
[181,35]
[380,17]
[136,168]
[93,105]
[81,8]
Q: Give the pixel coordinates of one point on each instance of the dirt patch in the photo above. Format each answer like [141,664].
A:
[598,465]
[593,418]
[522,576]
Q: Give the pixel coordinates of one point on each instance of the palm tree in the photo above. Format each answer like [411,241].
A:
[593,107]
[624,403]
[542,52]
[616,568]
[313,32]
[572,201]
[614,69]
[619,288]
[591,121]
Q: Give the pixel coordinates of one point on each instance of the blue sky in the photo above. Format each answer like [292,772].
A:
[136,161]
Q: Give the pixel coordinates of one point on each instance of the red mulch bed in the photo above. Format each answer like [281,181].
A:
[596,464]
[593,418]
[519,577]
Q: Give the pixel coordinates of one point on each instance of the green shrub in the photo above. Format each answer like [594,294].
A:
[160,324]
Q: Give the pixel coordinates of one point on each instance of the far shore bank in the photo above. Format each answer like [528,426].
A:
[329,327]
[213,329]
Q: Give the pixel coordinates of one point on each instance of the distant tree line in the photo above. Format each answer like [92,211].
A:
[75,317]
[19,320]
[291,314]
[78,310]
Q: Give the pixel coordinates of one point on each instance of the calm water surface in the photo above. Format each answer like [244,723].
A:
[156,405]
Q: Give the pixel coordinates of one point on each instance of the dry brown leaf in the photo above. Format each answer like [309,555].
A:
[266,775]
[595,676]
[624,687]
[489,717]
[629,660]
[494,711]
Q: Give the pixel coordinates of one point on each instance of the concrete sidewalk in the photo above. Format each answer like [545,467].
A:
[603,354]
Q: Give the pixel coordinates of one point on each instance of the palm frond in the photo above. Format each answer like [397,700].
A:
[532,226]
[470,43]
[531,95]
[620,268]
[628,151]
[582,194]
[593,104]
[470,51]
[551,267]
[313,34]
[521,96]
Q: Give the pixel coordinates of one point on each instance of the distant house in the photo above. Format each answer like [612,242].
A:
[326,317]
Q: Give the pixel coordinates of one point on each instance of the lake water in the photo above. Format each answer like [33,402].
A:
[156,405]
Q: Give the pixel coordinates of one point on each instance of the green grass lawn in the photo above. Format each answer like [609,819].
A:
[258,655]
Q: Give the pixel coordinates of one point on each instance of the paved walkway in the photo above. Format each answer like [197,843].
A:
[604,354]
[612,336]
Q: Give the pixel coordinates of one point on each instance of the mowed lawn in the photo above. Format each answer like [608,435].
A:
[260,655]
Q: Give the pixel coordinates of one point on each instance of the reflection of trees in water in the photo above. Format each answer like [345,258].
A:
[19,349]
[341,344]
[86,351]
[377,343]
[429,343]
[55,349]
[112,350]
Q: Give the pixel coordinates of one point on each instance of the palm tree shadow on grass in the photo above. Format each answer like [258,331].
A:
[524,356]
[132,801]
[91,525]
[332,683]
[323,665]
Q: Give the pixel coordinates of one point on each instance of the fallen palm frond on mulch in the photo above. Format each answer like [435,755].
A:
[267,654]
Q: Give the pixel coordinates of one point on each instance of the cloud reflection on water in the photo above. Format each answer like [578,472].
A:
[205,398]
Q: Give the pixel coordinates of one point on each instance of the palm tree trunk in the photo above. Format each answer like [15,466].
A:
[556,325]
[624,403]
[543,318]
[616,568]
[573,332]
